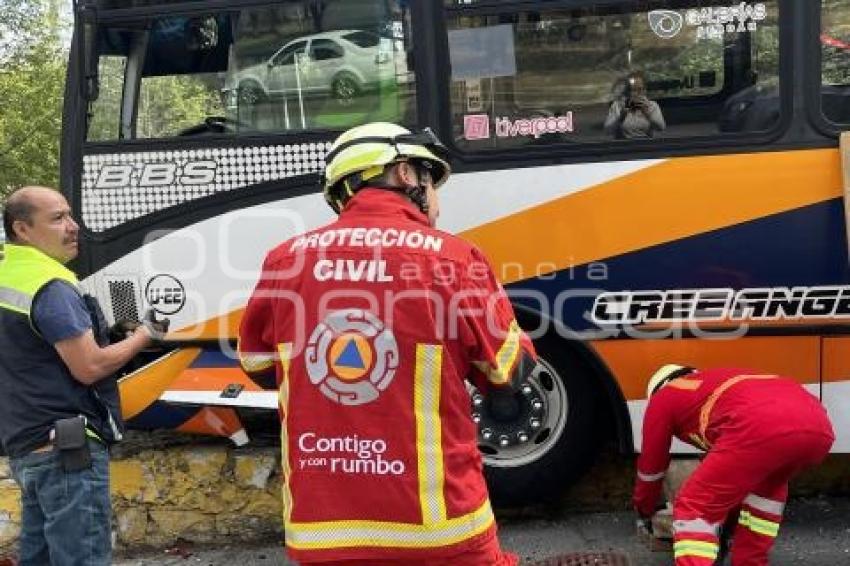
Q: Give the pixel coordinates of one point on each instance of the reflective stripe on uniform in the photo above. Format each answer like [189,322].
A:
[252,362]
[505,357]
[429,445]
[436,529]
[696,526]
[285,353]
[705,412]
[764,504]
[93,435]
[15,300]
[758,525]
[337,534]
[699,441]
[699,548]
[650,477]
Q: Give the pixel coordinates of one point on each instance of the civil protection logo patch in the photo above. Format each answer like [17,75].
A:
[351,357]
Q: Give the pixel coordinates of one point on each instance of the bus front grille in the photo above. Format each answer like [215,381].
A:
[122,294]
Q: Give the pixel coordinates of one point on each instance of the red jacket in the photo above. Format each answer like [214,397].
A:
[719,409]
[375,321]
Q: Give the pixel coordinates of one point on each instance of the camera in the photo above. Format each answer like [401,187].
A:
[629,93]
[629,89]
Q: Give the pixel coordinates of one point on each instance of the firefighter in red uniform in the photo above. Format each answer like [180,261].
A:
[373,323]
[759,431]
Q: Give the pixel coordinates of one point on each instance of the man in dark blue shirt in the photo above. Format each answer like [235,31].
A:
[59,313]
[59,407]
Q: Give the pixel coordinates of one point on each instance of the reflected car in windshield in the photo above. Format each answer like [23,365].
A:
[342,64]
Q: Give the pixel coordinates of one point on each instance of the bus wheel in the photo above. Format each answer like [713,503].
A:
[547,442]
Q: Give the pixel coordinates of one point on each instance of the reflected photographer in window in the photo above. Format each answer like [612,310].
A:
[632,115]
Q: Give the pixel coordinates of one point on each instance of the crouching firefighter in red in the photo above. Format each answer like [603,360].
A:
[372,324]
[759,431]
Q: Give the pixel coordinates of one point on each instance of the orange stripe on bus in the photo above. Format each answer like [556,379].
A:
[634,361]
[212,379]
[747,324]
[672,200]
[836,359]
[225,327]
[141,388]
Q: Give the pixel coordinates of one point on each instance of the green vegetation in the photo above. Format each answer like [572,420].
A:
[32,77]
[167,104]
[836,28]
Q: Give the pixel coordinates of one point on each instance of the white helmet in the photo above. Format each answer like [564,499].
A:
[363,152]
[664,376]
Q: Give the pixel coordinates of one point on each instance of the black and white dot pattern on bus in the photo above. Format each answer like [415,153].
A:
[123,297]
[118,188]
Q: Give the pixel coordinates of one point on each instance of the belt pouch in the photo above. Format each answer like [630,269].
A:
[70,440]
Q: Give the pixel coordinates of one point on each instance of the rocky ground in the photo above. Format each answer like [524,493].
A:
[816,533]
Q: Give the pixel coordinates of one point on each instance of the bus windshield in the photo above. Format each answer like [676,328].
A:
[281,67]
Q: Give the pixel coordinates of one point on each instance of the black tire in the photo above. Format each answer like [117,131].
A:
[345,88]
[562,449]
[251,93]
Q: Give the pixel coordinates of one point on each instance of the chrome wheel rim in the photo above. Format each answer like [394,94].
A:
[540,421]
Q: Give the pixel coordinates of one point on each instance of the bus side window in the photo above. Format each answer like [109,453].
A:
[835,60]
[553,75]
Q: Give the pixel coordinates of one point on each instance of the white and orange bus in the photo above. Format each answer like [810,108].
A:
[194,131]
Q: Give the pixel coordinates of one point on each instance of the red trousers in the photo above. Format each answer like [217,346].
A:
[753,478]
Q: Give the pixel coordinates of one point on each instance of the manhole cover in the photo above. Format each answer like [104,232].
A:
[585,559]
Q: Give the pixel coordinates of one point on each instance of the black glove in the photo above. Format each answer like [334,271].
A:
[122,330]
[157,328]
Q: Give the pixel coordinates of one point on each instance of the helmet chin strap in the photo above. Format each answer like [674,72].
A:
[419,192]
[419,195]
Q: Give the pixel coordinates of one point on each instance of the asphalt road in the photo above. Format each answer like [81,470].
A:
[816,532]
